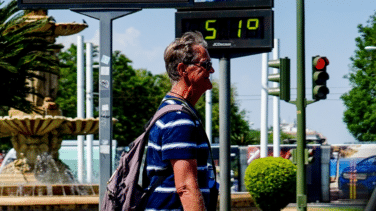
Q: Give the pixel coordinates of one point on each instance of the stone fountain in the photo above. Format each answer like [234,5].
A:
[37,137]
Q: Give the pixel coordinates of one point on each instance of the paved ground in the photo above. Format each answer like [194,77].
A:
[243,202]
[333,205]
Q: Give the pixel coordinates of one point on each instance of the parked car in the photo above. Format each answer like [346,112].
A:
[364,173]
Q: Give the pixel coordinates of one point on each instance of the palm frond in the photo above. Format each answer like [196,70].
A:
[24,49]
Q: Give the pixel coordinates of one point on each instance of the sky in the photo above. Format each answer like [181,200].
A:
[330,29]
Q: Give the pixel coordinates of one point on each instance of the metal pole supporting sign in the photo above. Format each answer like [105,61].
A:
[105,18]
[224,133]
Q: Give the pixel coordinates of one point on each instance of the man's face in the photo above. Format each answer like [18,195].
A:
[199,71]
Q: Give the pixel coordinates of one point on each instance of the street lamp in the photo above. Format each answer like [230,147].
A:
[370,48]
[371,205]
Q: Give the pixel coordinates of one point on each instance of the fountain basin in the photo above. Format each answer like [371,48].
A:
[49,197]
[50,190]
[48,200]
[33,135]
[72,203]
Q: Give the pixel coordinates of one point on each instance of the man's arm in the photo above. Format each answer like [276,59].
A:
[186,183]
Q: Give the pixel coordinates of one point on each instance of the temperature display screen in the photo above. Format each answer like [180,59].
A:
[236,31]
[101,4]
[227,28]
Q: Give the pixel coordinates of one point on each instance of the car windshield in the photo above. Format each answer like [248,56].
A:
[368,161]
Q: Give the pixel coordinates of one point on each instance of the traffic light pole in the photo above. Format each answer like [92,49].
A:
[301,190]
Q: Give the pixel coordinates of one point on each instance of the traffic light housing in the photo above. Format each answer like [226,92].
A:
[283,78]
[319,77]
[309,156]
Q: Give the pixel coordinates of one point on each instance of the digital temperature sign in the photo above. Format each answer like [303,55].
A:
[229,4]
[101,4]
[226,28]
[242,32]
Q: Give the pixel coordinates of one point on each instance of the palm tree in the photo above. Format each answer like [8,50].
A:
[23,50]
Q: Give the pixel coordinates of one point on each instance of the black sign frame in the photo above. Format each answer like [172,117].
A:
[229,4]
[102,4]
[233,47]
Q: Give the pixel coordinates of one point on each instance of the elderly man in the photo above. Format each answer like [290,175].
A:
[177,147]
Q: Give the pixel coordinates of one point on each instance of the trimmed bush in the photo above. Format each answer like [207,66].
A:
[271,182]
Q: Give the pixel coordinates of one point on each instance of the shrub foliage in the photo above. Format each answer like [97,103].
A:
[271,182]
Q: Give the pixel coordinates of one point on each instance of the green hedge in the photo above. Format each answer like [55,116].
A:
[272,182]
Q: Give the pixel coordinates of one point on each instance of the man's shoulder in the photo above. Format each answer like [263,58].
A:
[175,115]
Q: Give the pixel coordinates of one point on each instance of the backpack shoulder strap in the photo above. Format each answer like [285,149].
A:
[164,110]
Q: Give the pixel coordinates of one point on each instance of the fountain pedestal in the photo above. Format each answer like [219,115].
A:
[37,137]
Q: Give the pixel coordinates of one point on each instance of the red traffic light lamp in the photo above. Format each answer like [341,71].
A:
[319,77]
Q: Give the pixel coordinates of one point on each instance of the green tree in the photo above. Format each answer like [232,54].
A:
[137,94]
[360,101]
[283,136]
[241,134]
[22,49]
[255,136]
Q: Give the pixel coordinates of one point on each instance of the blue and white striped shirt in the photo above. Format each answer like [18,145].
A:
[176,135]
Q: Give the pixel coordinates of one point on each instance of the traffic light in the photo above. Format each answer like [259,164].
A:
[283,77]
[309,156]
[319,77]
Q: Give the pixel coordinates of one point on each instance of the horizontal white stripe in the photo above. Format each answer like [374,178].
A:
[203,145]
[180,122]
[178,145]
[154,146]
[173,190]
[165,190]
[202,168]
[171,102]
[206,190]
[169,146]
[155,168]
[160,124]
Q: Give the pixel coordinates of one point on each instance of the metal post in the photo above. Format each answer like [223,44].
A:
[301,188]
[371,205]
[264,107]
[89,111]
[224,133]
[208,114]
[105,17]
[276,109]
[325,173]
[80,106]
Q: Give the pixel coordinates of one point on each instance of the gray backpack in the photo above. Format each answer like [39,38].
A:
[123,191]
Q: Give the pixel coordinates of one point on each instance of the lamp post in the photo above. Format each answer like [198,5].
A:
[370,48]
[371,205]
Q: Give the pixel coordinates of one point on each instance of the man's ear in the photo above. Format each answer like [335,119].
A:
[181,69]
